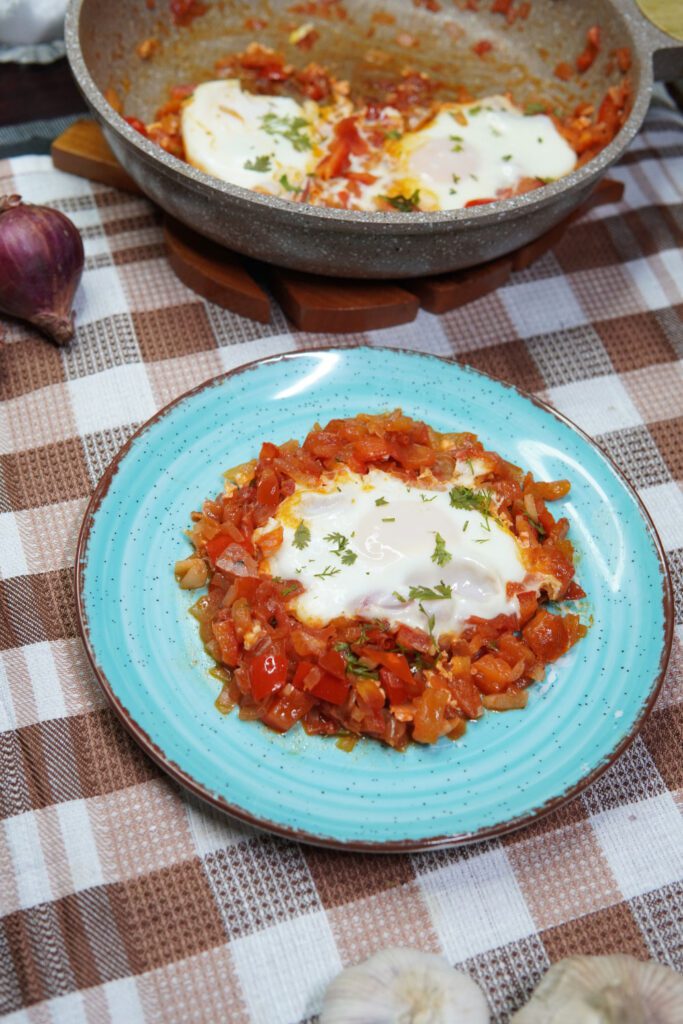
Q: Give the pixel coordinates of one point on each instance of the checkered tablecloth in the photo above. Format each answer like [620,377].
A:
[123,898]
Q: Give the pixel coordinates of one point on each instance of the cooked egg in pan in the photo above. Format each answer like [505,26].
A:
[465,152]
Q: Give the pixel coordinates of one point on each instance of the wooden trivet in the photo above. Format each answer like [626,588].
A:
[311,302]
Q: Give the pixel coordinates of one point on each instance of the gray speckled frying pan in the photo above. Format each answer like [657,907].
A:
[101,39]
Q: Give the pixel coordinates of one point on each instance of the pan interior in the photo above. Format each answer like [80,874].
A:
[363,42]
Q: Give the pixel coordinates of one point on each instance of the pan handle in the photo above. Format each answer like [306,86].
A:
[661,30]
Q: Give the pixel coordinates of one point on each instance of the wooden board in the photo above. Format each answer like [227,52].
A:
[311,302]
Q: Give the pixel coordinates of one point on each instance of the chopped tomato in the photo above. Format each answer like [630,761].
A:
[300,673]
[268,673]
[286,709]
[574,592]
[492,674]
[478,202]
[228,644]
[466,696]
[395,662]
[414,639]
[528,603]
[546,635]
[430,715]
[334,663]
[331,689]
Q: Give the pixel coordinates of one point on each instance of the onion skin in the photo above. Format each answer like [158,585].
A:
[41,262]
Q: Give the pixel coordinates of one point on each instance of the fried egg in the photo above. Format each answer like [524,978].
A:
[466,151]
[478,150]
[259,142]
[374,546]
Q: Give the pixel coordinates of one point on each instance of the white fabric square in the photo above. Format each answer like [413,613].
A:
[29,868]
[540,307]
[664,503]
[123,1000]
[298,958]
[643,843]
[647,284]
[41,182]
[113,398]
[12,558]
[211,830]
[598,406]
[673,261]
[476,905]
[232,356]
[100,295]
[47,687]
[79,843]
[424,334]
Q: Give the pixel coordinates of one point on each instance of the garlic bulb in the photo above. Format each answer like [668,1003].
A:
[614,989]
[403,986]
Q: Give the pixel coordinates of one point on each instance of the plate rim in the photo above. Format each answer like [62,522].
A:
[458,839]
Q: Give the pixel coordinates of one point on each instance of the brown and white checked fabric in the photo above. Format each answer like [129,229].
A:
[124,899]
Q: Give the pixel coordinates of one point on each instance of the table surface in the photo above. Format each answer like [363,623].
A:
[122,897]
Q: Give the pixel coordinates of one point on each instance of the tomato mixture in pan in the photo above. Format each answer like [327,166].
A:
[381,580]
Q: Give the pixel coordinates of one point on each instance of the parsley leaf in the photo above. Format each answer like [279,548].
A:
[431,621]
[341,548]
[354,664]
[286,183]
[422,498]
[441,592]
[289,128]
[381,501]
[327,571]
[302,536]
[349,557]
[399,597]
[288,590]
[260,164]
[404,204]
[465,497]
[389,519]
[440,555]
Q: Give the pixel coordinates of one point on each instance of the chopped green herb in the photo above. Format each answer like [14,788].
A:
[349,557]
[474,177]
[404,204]
[465,497]
[440,555]
[540,139]
[486,525]
[381,501]
[302,536]
[399,597]
[393,134]
[341,548]
[538,527]
[494,131]
[475,110]
[471,467]
[534,108]
[288,590]
[485,541]
[290,128]
[286,183]
[457,141]
[433,498]
[467,523]
[353,662]
[441,592]
[452,191]
[456,178]
[260,164]
[508,156]
[389,519]
[431,621]
[327,571]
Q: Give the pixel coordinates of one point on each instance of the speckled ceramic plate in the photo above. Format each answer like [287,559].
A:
[509,768]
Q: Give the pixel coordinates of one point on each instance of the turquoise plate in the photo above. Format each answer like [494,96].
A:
[509,768]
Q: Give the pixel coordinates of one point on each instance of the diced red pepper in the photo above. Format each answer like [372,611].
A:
[228,644]
[268,673]
[546,635]
[392,660]
[334,663]
[331,689]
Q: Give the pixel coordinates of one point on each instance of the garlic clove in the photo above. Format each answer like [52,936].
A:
[615,989]
[404,986]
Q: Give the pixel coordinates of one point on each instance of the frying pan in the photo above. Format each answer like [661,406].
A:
[101,39]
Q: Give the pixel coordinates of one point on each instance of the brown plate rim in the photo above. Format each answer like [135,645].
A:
[179,775]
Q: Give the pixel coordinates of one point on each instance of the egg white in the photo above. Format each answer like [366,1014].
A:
[393,543]
[225,132]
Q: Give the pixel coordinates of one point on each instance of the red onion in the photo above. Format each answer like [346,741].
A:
[41,261]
